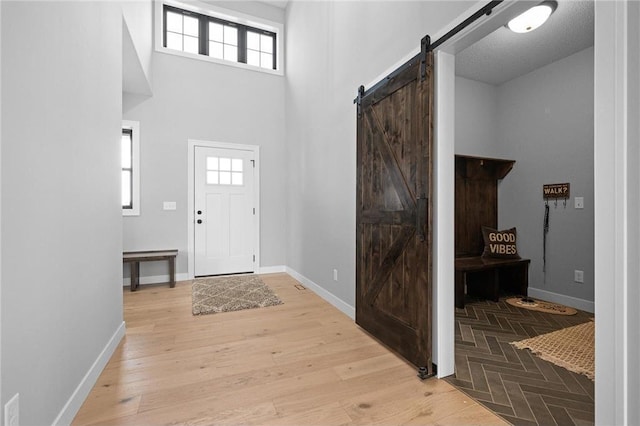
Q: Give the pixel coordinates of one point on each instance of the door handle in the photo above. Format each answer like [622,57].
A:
[199,211]
[199,220]
[421,217]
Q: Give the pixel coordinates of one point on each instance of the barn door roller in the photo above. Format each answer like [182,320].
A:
[425,43]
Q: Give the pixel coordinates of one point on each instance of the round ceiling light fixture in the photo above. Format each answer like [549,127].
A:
[532,18]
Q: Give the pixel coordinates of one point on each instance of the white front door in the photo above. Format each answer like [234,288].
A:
[223,211]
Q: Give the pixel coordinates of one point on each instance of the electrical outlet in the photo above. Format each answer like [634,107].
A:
[335,275]
[12,411]
[578,276]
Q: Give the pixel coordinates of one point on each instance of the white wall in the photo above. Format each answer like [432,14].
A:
[332,48]
[137,45]
[61,294]
[634,211]
[544,121]
[195,99]
[476,118]
[546,126]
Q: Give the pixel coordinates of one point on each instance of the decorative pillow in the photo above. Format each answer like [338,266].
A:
[500,244]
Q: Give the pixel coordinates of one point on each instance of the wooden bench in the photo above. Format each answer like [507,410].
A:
[485,276]
[135,257]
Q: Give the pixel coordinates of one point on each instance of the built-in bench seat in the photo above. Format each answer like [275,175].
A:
[476,207]
[135,257]
[485,276]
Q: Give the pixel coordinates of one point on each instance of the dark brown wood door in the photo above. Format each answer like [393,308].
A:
[394,238]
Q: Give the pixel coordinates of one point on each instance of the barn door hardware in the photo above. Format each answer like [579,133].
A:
[425,43]
[421,217]
[423,372]
[358,100]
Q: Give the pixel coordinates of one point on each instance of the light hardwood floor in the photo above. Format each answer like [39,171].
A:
[303,362]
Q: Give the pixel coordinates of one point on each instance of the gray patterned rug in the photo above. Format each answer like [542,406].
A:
[231,293]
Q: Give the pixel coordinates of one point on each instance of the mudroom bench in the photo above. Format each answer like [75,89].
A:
[135,257]
[483,277]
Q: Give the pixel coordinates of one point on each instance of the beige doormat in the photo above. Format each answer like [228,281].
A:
[231,293]
[571,348]
[542,306]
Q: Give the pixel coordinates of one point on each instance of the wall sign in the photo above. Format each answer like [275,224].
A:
[555,190]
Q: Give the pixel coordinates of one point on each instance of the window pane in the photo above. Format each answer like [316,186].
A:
[253,58]
[191,44]
[216,32]
[216,50]
[212,178]
[126,152]
[174,22]
[230,35]
[126,188]
[225,164]
[236,178]
[230,53]
[266,43]
[212,163]
[253,41]
[191,26]
[236,165]
[225,178]
[174,41]
[266,60]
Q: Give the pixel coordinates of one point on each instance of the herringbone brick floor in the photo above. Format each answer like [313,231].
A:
[519,386]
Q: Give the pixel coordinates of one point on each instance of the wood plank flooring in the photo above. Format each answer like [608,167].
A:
[303,362]
[522,388]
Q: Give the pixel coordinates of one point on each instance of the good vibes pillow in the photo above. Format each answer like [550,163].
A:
[500,244]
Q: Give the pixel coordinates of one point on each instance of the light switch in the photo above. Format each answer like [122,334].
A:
[579,202]
[169,205]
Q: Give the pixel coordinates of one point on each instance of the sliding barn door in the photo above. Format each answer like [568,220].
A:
[394,238]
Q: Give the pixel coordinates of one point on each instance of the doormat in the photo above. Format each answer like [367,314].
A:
[542,306]
[571,348]
[231,293]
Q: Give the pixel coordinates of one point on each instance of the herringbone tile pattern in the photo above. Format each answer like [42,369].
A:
[520,387]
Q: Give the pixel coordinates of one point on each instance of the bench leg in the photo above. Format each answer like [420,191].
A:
[524,282]
[172,272]
[135,275]
[495,290]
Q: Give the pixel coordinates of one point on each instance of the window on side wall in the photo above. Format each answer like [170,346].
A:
[233,40]
[130,162]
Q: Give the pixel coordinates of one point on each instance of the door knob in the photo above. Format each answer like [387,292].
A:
[199,221]
[199,211]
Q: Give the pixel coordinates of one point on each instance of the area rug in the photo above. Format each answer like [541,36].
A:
[542,306]
[231,293]
[571,348]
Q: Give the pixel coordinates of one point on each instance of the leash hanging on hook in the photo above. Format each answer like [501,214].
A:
[545,232]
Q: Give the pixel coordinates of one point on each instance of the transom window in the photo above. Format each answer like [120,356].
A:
[196,33]
[182,32]
[224,171]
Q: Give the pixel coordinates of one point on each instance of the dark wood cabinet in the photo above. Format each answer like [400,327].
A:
[476,205]
[476,200]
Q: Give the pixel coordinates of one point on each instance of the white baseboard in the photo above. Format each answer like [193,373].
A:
[156,279]
[574,302]
[272,269]
[340,304]
[78,396]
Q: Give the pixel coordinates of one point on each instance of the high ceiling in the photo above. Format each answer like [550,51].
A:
[504,55]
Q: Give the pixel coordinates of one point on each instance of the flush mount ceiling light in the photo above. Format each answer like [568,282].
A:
[532,18]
